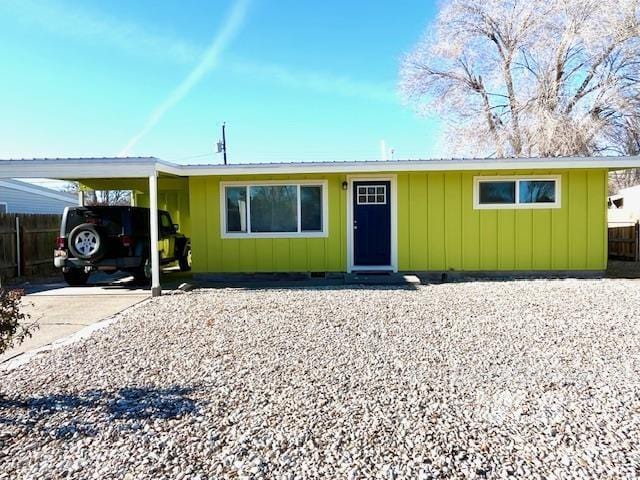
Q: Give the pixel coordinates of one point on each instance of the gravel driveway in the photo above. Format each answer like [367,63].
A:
[526,378]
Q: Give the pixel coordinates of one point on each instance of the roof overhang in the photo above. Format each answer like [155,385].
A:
[139,167]
[78,168]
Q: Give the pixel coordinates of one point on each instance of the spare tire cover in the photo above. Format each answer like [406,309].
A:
[86,242]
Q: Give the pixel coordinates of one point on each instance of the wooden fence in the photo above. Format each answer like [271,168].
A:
[26,245]
[624,243]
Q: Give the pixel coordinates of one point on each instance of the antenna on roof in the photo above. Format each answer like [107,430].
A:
[385,152]
[222,144]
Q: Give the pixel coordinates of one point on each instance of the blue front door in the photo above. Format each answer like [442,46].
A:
[372,223]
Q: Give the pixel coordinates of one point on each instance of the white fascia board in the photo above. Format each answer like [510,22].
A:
[140,167]
[78,168]
[171,168]
[412,165]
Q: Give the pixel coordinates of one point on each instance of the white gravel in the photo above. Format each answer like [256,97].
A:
[536,379]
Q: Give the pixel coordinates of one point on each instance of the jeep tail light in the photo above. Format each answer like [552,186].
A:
[127,241]
[61,243]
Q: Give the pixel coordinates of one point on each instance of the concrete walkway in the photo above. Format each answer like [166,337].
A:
[62,311]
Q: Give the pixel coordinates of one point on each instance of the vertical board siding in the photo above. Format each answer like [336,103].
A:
[446,233]
[199,244]
[418,222]
[523,240]
[595,240]
[404,245]
[542,242]
[453,220]
[436,206]
[438,229]
[506,239]
[470,227]
[578,218]
[212,253]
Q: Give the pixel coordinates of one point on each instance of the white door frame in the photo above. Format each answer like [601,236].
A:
[393,195]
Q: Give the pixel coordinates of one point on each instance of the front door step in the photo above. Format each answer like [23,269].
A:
[378,278]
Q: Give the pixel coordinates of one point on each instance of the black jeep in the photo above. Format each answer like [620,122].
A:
[115,238]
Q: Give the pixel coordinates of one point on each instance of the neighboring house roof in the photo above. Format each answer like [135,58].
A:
[129,167]
[631,189]
[38,190]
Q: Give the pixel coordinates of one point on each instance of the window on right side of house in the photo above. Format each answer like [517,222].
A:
[497,192]
[537,191]
[508,192]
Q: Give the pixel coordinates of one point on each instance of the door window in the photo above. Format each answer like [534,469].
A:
[372,195]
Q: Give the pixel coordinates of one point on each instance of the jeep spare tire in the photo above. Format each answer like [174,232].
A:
[86,242]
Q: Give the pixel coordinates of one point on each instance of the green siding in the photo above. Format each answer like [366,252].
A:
[438,228]
[470,228]
[453,220]
[212,253]
[446,233]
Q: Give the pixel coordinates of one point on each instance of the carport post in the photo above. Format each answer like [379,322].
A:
[153,220]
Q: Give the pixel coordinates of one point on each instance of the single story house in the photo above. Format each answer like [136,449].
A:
[23,197]
[443,215]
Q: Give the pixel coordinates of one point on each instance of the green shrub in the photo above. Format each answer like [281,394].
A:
[14,326]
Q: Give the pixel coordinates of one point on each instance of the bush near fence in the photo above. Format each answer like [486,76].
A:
[30,253]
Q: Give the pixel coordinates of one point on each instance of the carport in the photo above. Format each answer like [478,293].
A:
[149,179]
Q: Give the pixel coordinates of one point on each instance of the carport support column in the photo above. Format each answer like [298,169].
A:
[153,219]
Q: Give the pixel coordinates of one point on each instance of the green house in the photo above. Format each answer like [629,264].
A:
[465,215]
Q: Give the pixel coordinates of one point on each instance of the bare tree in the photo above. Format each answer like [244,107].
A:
[531,77]
[102,197]
[623,179]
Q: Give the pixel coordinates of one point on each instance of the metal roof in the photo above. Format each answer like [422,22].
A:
[132,167]
[38,190]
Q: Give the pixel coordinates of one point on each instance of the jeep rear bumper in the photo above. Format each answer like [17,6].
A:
[104,264]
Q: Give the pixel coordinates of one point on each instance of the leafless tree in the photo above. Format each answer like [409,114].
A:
[623,179]
[102,197]
[531,77]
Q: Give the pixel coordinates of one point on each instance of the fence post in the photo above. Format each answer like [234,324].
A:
[637,239]
[18,249]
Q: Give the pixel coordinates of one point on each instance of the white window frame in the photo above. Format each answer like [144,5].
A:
[517,205]
[374,195]
[324,184]
[6,207]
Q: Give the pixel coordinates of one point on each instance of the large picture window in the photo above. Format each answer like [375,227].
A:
[274,209]
[517,192]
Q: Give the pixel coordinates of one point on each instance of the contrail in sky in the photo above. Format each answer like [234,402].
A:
[209,61]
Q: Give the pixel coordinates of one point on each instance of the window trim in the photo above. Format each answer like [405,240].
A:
[375,195]
[6,207]
[324,184]
[517,205]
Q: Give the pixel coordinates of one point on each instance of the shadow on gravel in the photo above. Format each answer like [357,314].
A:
[142,403]
[126,403]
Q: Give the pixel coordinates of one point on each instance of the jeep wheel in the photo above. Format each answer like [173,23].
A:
[76,277]
[85,242]
[142,275]
[185,261]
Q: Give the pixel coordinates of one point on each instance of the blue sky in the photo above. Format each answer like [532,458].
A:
[294,80]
